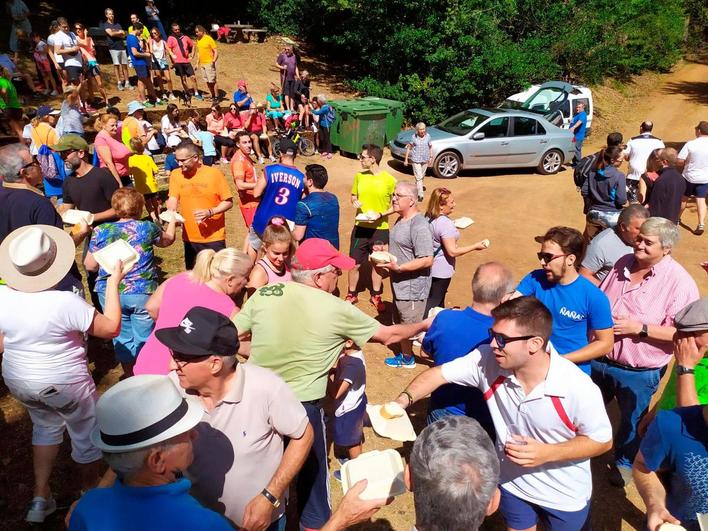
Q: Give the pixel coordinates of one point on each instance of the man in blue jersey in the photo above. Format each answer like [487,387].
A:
[280,191]
[317,214]
[579,309]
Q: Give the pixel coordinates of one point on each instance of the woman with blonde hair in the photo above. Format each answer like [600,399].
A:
[218,278]
[112,153]
[91,68]
[274,263]
[141,281]
[445,249]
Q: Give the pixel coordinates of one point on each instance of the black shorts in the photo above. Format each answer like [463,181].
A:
[289,88]
[141,71]
[362,242]
[73,73]
[151,195]
[184,69]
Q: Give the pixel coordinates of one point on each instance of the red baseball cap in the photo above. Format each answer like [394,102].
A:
[315,253]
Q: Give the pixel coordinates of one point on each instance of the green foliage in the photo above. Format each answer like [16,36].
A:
[439,56]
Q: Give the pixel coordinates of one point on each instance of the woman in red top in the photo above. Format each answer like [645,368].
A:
[112,153]
[257,127]
[216,126]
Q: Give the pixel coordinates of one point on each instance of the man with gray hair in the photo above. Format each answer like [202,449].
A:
[420,150]
[454,333]
[326,114]
[145,430]
[613,243]
[22,204]
[298,331]
[411,246]
[646,290]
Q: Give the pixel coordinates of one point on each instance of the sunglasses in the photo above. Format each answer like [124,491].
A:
[182,360]
[547,258]
[502,340]
[66,153]
[33,164]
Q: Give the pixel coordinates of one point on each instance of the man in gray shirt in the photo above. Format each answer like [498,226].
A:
[411,242]
[613,243]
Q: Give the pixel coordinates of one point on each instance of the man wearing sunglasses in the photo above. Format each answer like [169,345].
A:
[579,309]
[558,417]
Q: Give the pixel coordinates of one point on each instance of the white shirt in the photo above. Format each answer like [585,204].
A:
[27,135]
[44,335]
[67,40]
[51,41]
[638,150]
[562,486]
[351,368]
[695,153]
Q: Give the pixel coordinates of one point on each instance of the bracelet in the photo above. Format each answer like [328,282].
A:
[211,213]
[410,396]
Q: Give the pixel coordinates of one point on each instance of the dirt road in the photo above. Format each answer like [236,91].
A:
[508,208]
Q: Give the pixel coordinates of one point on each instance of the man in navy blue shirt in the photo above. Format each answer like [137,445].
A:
[578,126]
[579,309]
[317,214]
[455,333]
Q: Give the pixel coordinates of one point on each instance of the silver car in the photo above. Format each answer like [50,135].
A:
[493,138]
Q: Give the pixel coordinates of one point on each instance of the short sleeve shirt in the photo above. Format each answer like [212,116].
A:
[120,153]
[92,191]
[11,94]
[420,152]
[604,250]
[242,168]
[143,170]
[319,213]
[141,235]
[290,61]
[351,368]
[206,48]
[411,239]
[131,41]
[581,117]
[68,40]
[302,350]
[187,44]
[205,189]
[695,153]
[374,192]
[443,228]
[577,309]
[113,43]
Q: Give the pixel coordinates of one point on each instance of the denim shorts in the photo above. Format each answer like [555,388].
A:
[696,189]
[521,514]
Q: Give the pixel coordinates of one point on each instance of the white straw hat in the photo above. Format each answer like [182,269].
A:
[141,411]
[36,257]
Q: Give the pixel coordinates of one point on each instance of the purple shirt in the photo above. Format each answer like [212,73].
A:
[291,62]
[443,265]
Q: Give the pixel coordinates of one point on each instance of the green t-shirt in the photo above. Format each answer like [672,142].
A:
[374,193]
[9,101]
[668,399]
[298,333]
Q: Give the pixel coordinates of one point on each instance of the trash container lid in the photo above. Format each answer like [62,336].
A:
[391,104]
[358,107]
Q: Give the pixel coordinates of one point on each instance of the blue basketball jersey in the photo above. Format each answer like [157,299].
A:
[282,193]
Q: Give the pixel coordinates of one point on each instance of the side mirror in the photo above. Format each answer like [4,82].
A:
[478,136]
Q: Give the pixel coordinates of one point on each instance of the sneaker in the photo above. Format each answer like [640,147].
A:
[620,476]
[199,97]
[39,509]
[337,475]
[120,86]
[400,361]
[700,230]
[261,160]
[148,104]
[224,160]
[172,96]
[53,93]
[158,101]
[377,303]
[272,158]
[351,298]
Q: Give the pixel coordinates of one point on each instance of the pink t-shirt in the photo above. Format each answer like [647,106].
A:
[181,294]
[119,151]
[187,44]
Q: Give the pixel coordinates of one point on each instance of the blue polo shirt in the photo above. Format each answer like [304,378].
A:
[577,309]
[319,212]
[453,334]
[242,97]
[170,506]
[581,117]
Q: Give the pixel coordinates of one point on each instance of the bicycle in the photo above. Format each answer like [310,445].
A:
[305,146]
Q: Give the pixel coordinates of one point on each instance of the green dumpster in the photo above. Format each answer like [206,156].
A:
[357,123]
[394,120]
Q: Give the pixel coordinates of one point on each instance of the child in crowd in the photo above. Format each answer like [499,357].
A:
[170,159]
[44,69]
[205,140]
[278,247]
[142,170]
[348,389]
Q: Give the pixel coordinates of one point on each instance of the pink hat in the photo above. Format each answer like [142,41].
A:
[240,83]
[315,253]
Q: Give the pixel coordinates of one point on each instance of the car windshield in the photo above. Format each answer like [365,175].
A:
[462,123]
[542,101]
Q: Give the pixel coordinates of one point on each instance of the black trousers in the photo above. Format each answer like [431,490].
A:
[436,297]
[325,142]
[191,250]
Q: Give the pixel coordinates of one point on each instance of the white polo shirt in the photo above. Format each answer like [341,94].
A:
[637,152]
[562,486]
[695,153]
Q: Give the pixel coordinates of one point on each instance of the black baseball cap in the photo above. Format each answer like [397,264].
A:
[288,147]
[202,332]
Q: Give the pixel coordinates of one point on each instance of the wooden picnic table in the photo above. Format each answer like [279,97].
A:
[238,31]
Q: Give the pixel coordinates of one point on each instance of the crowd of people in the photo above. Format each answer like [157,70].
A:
[230,365]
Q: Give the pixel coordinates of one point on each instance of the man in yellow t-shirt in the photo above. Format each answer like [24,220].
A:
[208,54]
[203,196]
[372,192]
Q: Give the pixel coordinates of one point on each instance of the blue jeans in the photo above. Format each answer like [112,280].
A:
[313,501]
[135,326]
[633,391]
[578,150]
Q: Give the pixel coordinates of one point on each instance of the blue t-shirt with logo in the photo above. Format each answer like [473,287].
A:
[581,117]
[284,188]
[577,309]
[319,213]
[677,441]
[453,334]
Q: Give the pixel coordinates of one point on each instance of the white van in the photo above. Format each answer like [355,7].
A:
[555,100]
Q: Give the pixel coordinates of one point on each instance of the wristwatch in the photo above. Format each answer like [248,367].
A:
[275,502]
[681,370]
[644,332]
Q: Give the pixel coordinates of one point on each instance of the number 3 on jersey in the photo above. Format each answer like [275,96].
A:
[283,196]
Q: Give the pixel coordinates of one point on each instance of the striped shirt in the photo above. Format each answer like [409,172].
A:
[420,153]
[665,290]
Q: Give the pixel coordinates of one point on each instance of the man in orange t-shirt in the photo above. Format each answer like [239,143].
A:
[203,196]
[244,174]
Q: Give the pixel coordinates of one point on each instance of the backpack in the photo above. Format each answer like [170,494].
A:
[330,115]
[583,169]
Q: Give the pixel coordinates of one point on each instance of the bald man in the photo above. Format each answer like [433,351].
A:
[637,152]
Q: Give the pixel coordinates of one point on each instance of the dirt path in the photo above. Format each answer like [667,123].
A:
[509,209]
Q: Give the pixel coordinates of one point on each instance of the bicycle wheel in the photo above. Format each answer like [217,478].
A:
[276,148]
[306,147]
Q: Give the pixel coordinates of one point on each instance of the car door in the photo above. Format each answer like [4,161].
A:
[528,139]
[493,149]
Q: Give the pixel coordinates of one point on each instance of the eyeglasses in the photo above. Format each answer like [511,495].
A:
[362,157]
[181,161]
[502,340]
[547,258]
[33,164]
[66,153]
[398,196]
[181,360]
[337,271]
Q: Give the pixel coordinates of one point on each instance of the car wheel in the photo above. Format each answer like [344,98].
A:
[447,165]
[550,162]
